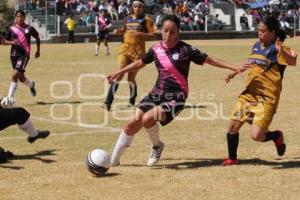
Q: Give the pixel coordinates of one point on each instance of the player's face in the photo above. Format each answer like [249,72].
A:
[20,19]
[265,36]
[169,33]
[138,9]
[102,14]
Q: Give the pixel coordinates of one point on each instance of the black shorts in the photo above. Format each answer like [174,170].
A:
[12,116]
[103,35]
[19,62]
[172,105]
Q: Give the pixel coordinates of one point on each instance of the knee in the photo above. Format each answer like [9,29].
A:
[233,128]
[21,115]
[131,127]
[257,136]
[148,121]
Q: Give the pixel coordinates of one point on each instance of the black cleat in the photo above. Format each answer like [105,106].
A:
[32,89]
[280,144]
[5,156]
[40,135]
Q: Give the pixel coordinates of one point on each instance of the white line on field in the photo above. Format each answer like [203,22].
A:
[64,134]
[74,124]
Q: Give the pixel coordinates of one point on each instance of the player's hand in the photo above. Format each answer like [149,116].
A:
[230,76]
[242,68]
[37,54]
[115,31]
[111,77]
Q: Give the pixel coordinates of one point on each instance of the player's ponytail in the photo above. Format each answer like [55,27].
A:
[281,35]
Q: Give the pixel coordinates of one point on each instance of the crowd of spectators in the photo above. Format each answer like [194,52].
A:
[191,12]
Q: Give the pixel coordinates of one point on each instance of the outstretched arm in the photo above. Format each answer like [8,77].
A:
[221,64]
[129,68]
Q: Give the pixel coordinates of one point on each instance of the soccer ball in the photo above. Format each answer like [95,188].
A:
[7,102]
[98,162]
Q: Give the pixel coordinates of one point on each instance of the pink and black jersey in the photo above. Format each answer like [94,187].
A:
[103,23]
[23,36]
[173,66]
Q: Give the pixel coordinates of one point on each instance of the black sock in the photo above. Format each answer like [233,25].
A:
[133,93]
[233,143]
[271,135]
[111,92]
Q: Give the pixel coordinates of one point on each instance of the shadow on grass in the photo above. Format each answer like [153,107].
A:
[37,156]
[207,162]
[106,175]
[56,102]
[10,167]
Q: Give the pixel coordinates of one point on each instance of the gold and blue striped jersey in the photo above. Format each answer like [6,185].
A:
[266,71]
[134,24]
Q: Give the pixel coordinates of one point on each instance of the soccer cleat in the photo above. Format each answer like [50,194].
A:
[107,54]
[155,154]
[228,162]
[32,89]
[40,135]
[279,143]
[96,54]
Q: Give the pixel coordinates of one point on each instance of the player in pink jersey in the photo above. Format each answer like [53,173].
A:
[103,31]
[166,100]
[19,36]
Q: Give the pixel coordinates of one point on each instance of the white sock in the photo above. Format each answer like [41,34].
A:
[123,142]
[106,49]
[28,128]
[12,89]
[29,83]
[97,49]
[153,134]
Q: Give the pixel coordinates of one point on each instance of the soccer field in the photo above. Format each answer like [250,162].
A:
[70,91]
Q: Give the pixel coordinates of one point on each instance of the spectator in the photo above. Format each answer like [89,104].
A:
[244,22]
[71,24]
[218,25]
[167,9]
[179,10]
[123,10]
[199,21]
[103,5]
[112,11]
[158,20]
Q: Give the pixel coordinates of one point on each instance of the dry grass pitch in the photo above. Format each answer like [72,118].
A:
[70,90]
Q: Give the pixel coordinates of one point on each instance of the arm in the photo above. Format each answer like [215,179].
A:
[219,63]
[289,56]
[8,42]
[38,45]
[129,68]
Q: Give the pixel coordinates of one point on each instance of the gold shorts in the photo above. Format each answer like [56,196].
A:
[254,110]
[129,54]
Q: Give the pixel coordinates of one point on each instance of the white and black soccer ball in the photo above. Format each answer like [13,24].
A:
[8,102]
[98,162]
